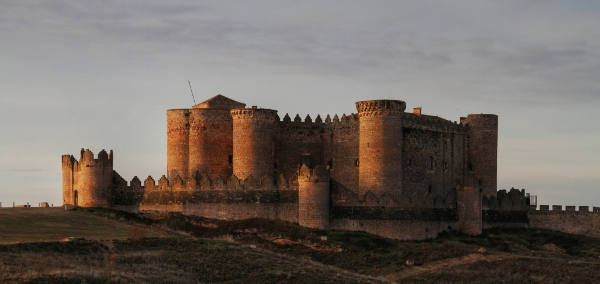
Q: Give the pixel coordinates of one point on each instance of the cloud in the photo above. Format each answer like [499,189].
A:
[26,170]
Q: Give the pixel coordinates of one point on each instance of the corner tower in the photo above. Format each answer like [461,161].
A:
[482,150]
[380,146]
[253,142]
[87,183]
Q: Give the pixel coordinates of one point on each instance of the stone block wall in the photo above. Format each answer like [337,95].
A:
[581,222]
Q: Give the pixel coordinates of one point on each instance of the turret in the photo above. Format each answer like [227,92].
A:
[313,197]
[178,128]
[253,145]
[87,183]
[380,146]
[482,152]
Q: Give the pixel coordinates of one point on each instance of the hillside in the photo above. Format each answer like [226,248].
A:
[126,248]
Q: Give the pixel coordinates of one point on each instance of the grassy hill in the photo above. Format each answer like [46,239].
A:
[126,248]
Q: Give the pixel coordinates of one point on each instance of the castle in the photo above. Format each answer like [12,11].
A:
[382,170]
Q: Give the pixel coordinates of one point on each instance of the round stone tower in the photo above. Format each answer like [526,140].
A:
[178,128]
[380,146]
[253,145]
[482,136]
[313,197]
[94,180]
[211,142]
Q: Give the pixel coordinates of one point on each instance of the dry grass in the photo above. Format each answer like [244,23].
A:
[264,251]
[53,224]
[164,260]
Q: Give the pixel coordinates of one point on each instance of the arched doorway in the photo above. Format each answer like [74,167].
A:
[75,198]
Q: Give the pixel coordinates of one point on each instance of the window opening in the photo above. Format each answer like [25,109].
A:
[431,163]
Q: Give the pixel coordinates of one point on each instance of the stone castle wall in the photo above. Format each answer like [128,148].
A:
[581,222]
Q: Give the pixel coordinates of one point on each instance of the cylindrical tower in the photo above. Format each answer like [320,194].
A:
[253,149]
[94,181]
[211,142]
[313,197]
[482,152]
[380,146]
[177,142]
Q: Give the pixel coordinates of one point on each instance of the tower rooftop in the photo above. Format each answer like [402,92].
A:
[220,102]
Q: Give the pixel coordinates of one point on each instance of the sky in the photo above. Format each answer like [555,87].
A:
[101,75]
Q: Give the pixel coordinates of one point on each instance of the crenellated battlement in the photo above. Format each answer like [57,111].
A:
[511,200]
[380,107]
[203,182]
[318,121]
[318,174]
[430,123]
[558,209]
[254,113]
[87,158]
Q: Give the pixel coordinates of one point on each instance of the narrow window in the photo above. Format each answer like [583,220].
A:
[330,164]
[431,163]
[430,188]
[356,162]
[470,167]
[230,159]
[409,162]
[445,165]
[275,165]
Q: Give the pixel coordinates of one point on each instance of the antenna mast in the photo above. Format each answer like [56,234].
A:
[192,92]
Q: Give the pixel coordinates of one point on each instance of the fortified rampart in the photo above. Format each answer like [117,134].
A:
[381,170]
[581,222]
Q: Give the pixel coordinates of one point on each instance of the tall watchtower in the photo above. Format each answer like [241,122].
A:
[211,137]
[380,146]
[200,139]
[482,152]
[253,142]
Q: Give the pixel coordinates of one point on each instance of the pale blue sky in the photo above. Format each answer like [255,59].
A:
[101,75]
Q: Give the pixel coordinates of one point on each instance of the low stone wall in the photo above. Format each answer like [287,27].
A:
[222,205]
[222,211]
[395,223]
[504,219]
[580,222]
[395,229]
